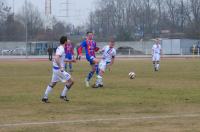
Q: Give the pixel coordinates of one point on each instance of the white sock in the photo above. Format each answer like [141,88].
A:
[99,80]
[158,65]
[64,92]
[154,65]
[48,90]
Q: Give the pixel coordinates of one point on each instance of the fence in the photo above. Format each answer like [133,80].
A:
[169,46]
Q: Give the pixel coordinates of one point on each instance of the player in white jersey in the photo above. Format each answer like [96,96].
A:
[156,52]
[107,60]
[59,74]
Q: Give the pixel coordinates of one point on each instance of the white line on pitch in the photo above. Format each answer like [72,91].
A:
[99,120]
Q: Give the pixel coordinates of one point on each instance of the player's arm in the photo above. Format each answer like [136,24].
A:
[152,51]
[72,51]
[161,51]
[96,49]
[113,57]
[102,50]
[112,61]
[57,60]
[80,48]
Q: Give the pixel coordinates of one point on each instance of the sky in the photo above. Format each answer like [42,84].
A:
[78,10]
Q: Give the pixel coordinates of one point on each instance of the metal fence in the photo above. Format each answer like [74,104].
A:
[169,46]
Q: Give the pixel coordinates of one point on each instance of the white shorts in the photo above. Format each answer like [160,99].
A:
[60,76]
[102,65]
[156,57]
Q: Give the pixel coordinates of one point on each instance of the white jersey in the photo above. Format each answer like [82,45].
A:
[156,49]
[58,75]
[108,53]
[61,52]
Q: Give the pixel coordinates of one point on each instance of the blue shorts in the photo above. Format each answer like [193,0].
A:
[68,56]
[90,59]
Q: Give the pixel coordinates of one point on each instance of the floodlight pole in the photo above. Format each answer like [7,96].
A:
[26,26]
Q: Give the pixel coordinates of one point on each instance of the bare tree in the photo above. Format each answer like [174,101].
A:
[34,20]
[195,17]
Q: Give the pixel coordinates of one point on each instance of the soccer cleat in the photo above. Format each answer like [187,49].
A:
[95,86]
[45,100]
[87,83]
[64,98]
[101,85]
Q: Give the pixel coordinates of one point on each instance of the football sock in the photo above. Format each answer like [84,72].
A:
[70,66]
[64,92]
[97,69]
[66,67]
[48,90]
[99,80]
[158,65]
[90,75]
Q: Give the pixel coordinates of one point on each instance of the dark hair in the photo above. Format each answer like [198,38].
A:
[88,32]
[63,39]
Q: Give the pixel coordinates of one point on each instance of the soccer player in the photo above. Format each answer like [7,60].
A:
[156,52]
[90,48]
[59,74]
[107,60]
[69,54]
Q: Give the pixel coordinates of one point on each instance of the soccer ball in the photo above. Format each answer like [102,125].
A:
[132,75]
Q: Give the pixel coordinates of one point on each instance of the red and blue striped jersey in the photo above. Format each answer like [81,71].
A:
[69,49]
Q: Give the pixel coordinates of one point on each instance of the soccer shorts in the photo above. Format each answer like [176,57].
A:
[68,56]
[102,65]
[90,59]
[156,57]
[60,76]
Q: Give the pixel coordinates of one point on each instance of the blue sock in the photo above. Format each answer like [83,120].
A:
[90,75]
[66,67]
[70,66]
[97,69]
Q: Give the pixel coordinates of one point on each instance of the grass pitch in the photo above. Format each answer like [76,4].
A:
[174,90]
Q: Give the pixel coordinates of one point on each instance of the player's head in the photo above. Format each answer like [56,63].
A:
[111,42]
[90,35]
[157,41]
[68,41]
[63,40]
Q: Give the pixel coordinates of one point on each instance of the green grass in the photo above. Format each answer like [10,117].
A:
[174,89]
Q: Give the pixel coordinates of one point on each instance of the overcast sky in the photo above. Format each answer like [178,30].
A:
[78,9]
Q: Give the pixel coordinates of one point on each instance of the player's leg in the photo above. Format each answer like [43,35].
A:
[154,62]
[66,57]
[99,80]
[54,80]
[70,64]
[96,62]
[70,67]
[68,84]
[48,91]
[90,75]
[94,66]
[157,62]
[50,87]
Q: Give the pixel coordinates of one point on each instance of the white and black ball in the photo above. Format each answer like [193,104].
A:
[132,75]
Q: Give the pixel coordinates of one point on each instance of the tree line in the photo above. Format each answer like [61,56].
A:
[140,19]
[123,19]
[14,26]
